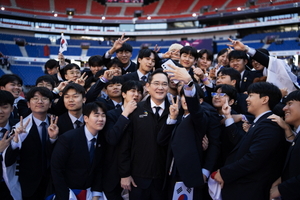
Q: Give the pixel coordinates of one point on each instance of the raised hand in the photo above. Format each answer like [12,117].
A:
[62,85]
[129,108]
[53,128]
[174,108]
[237,45]
[118,43]
[226,109]
[81,80]
[20,129]
[179,73]
[108,74]
[156,48]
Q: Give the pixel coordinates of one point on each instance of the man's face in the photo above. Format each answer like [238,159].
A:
[95,121]
[116,69]
[45,84]
[220,99]
[203,62]
[73,74]
[158,88]
[187,60]
[238,64]
[254,103]
[223,59]
[132,94]
[292,113]
[256,65]
[114,90]
[95,69]
[146,63]
[225,79]
[13,87]
[5,111]
[73,100]
[52,71]
[39,104]
[124,57]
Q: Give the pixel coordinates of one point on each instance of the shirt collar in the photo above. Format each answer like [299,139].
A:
[297,130]
[162,105]
[140,74]
[125,68]
[257,118]
[7,126]
[38,122]
[89,136]
[115,103]
[73,119]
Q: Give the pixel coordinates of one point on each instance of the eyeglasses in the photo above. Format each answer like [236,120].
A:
[157,84]
[43,99]
[216,94]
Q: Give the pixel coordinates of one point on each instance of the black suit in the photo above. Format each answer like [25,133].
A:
[64,123]
[107,102]
[70,164]
[290,178]
[247,79]
[131,76]
[33,176]
[116,125]
[94,91]
[130,69]
[140,155]
[255,163]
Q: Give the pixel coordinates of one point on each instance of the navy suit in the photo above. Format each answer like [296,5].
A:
[64,123]
[131,76]
[70,164]
[290,178]
[247,79]
[116,125]
[255,163]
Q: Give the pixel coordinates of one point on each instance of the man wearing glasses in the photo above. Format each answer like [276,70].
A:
[142,160]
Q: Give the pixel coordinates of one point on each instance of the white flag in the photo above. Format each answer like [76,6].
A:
[63,44]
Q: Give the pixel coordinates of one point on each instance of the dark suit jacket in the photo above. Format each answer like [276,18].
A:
[140,155]
[255,163]
[116,125]
[70,164]
[247,79]
[64,123]
[94,91]
[131,68]
[290,178]
[131,76]
[107,102]
[185,144]
[30,158]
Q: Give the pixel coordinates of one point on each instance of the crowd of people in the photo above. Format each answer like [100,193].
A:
[153,131]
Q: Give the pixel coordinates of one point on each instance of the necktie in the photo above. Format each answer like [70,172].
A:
[2,132]
[92,149]
[117,106]
[44,139]
[157,112]
[144,78]
[78,123]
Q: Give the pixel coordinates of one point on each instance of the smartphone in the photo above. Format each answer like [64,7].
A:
[165,65]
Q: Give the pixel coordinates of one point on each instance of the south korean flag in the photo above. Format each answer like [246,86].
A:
[181,192]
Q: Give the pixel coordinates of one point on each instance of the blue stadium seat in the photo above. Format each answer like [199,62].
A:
[28,74]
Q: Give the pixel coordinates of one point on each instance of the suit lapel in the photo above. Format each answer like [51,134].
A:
[291,148]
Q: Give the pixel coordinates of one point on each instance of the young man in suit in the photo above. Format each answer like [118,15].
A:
[142,160]
[96,64]
[76,161]
[73,96]
[257,160]
[123,53]
[238,60]
[188,58]
[147,59]
[287,186]
[117,122]
[6,107]
[32,145]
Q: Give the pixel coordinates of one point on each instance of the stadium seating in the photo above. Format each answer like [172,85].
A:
[29,74]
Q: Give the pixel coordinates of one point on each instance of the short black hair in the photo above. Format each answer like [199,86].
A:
[210,55]
[45,92]
[96,61]
[132,84]
[125,47]
[78,88]
[144,53]
[51,63]
[222,51]
[199,91]
[157,71]
[266,89]
[233,73]
[10,78]
[71,66]
[230,91]
[6,98]
[93,107]
[46,78]
[114,80]
[189,50]
[293,96]
[265,51]
[113,62]
[237,55]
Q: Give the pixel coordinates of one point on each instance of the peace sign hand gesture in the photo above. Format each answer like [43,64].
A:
[81,80]
[53,128]
[174,108]
[20,129]
[226,109]
[118,44]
